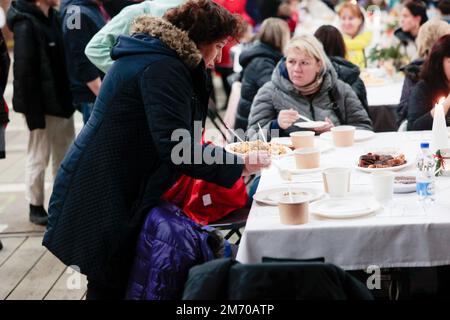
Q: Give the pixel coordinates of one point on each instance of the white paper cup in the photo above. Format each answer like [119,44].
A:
[294,210]
[383,185]
[336,181]
[343,136]
[302,139]
[307,158]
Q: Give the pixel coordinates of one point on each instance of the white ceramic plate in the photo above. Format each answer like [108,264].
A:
[360,135]
[404,188]
[397,168]
[285,141]
[310,124]
[344,208]
[323,146]
[273,195]
[288,163]
[229,147]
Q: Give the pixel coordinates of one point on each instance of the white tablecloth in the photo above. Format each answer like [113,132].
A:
[385,95]
[403,235]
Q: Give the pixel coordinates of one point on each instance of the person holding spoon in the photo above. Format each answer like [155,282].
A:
[304,83]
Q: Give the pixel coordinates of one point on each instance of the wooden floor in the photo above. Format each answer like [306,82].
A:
[28,271]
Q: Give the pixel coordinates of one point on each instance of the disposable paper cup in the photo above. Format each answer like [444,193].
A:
[383,185]
[336,181]
[294,210]
[302,139]
[307,158]
[343,136]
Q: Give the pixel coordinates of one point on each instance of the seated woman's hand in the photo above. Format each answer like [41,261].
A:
[255,161]
[446,104]
[325,127]
[287,118]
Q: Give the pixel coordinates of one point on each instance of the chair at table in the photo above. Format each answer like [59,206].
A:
[232,223]
[272,280]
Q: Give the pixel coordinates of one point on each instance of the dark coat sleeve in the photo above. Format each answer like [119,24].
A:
[402,110]
[256,74]
[419,106]
[4,70]
[27,80]
[167,93]
[76,40]
[263,72]
[4,64]
[360,90]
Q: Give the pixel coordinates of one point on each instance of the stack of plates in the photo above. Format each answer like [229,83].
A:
[273,195]
[344,208]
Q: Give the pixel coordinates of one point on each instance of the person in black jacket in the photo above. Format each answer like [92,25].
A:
[429,33]
[434,85]
[82,19]
[41,93]
[258,62]
[334,46]
[144,132]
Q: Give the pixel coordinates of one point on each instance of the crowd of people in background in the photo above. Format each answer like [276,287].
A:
[138,70]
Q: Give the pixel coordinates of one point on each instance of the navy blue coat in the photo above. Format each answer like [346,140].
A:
[80,69]
[120,164]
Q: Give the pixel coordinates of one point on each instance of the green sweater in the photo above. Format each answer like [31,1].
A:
[99,48]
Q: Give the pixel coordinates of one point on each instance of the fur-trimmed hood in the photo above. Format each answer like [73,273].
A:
[145,29]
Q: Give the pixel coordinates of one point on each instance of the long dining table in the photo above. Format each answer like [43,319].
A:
[401,233]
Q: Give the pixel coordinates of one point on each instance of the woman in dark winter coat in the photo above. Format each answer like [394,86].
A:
[41,93]
[258,63]
[429,33]
[334,47]
[144,132]
[434,85]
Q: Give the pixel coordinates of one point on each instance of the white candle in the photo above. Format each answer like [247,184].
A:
[439,132]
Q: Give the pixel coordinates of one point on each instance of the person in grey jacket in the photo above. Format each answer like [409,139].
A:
[305,83]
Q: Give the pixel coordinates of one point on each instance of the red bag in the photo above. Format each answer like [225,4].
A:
[205,202]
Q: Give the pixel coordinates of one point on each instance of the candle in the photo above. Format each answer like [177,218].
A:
[439,132]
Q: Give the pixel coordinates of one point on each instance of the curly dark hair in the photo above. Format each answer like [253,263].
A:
[433,70]
[206,22]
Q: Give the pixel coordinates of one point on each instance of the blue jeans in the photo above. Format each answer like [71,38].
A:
[86,108]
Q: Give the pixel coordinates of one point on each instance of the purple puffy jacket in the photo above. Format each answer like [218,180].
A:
[168,246]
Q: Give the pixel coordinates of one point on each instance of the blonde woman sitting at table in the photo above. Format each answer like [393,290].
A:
[355,37]
[305,83]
